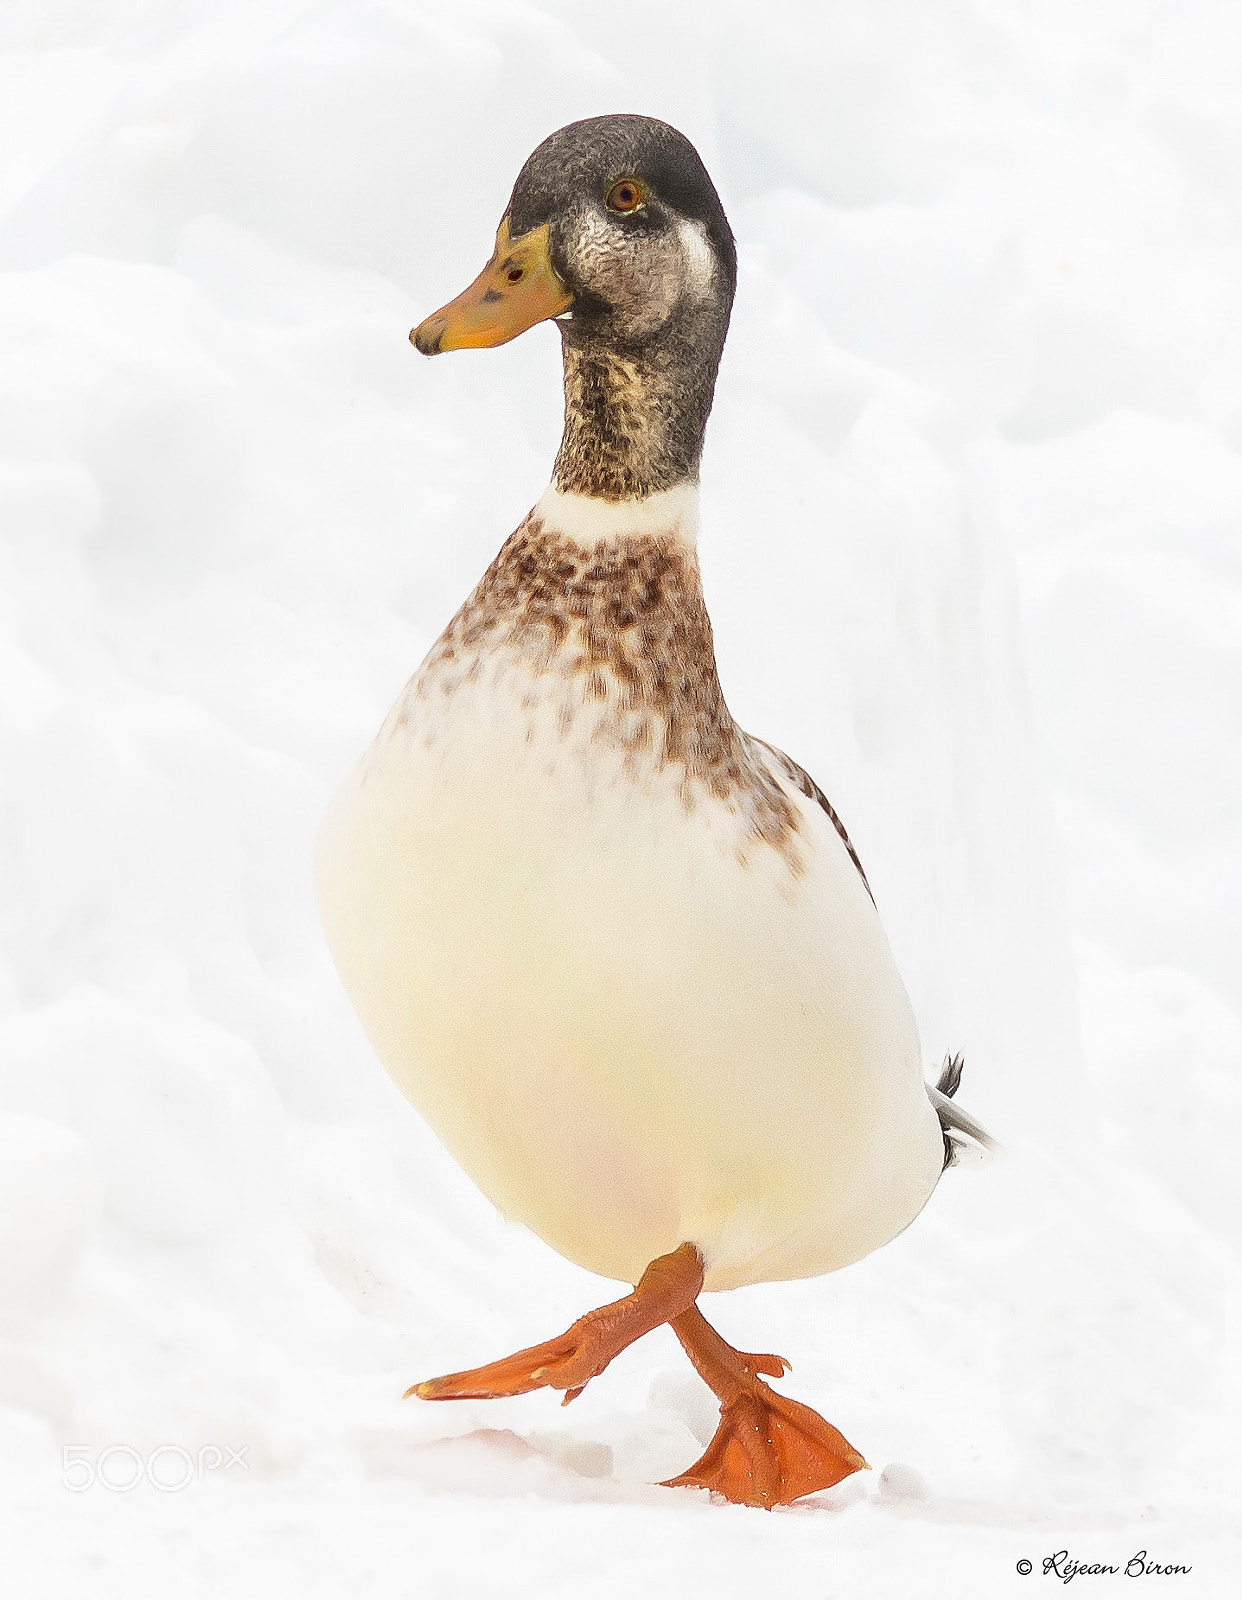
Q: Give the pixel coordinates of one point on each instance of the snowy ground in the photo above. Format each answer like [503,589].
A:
[973,501]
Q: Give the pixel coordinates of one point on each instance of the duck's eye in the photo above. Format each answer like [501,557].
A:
[626,195]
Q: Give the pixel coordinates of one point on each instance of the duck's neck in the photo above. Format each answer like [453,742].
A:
[635,416]
[589,521]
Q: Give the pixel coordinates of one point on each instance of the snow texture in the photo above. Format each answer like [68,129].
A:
[972,512]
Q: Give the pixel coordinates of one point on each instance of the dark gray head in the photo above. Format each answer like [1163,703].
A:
[636,230]
[615,229]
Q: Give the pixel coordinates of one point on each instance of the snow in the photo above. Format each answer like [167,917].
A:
[971,508]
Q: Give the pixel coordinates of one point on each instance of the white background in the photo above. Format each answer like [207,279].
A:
[972,509]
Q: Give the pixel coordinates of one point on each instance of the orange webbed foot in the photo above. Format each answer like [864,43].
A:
[768,1450]
[581,1353]
[568,1363]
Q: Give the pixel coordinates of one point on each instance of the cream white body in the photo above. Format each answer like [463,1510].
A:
[631,1026]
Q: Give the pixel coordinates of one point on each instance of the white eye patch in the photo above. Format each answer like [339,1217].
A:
[698,256]
[595,236]
[642,276]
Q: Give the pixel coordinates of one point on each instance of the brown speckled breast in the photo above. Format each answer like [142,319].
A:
[622,624]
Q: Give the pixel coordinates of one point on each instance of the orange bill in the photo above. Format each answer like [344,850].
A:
[516,289]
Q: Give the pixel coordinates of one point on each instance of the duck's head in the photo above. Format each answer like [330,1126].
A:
[615,229]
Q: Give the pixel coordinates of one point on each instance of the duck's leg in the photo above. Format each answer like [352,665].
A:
[768,1449]
[669,1285]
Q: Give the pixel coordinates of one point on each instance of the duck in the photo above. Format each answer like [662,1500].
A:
[618,952]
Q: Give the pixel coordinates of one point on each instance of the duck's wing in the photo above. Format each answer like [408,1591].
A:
[963,1136]
[787,767]
[966,1141]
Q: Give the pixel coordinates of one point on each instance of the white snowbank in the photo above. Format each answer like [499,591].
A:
[972,507]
